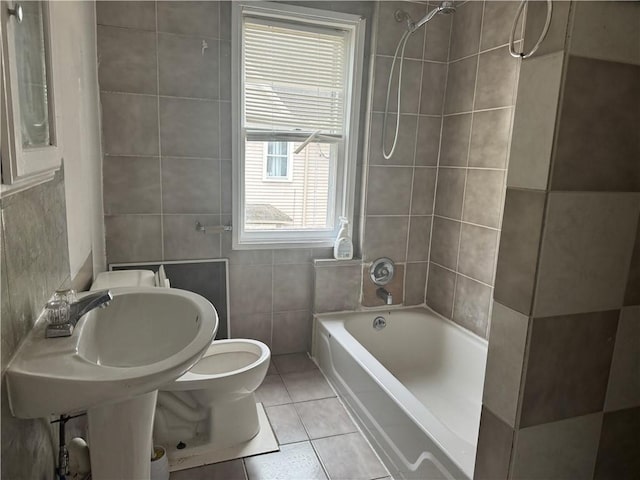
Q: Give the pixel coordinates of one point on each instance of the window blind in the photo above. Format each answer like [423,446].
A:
[294,78]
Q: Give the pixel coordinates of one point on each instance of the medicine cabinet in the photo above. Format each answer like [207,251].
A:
[31,141]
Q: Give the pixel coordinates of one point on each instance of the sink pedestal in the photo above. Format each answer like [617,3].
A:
[120,438]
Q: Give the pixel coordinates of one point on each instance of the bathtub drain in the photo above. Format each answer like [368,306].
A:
[379,323]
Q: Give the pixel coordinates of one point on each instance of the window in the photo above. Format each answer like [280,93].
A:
[277,161]
[297,77]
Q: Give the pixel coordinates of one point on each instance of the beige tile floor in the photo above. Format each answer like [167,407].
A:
[317,438]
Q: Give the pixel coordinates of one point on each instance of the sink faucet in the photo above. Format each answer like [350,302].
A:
[384,295]
[77,309]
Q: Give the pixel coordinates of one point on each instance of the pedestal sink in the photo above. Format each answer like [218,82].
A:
[112,367]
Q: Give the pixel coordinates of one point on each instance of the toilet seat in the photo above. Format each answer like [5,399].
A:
[223,359]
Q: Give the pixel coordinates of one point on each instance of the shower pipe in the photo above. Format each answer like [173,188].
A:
[446,7]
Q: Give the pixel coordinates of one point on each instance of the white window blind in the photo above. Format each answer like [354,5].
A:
[294,78]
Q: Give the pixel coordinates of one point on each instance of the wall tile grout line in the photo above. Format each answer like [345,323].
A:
[162,253]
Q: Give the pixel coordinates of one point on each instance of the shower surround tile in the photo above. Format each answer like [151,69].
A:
[623,390]
[256,279]
[461,83]
[405,145]
[127,60]
[497,72]
[411,75]
[564,449]
[471,305]
[188,67]
[133,238]
[483,197]
[450,192]
[386,237]
[505,362]
[390,31]
[632,293]
[428,141]
[183,242]
[618,447]
[455,140]
[477,255]
[190,185]
[465,32]
[444,242]
[419,236]
[440,290]
[568,366]
[434,76]
[292,287]
[519,247]
[189,18]
[582,266]
[389,190]
[138,15]
[188,128]
[490,135]
[423,194]
[337,287]
[131,185]
[416,278]
[129,124]
[496,23]
[534,122]
[494,447]
[602,155]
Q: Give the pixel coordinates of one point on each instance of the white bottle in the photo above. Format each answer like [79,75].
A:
[343,247]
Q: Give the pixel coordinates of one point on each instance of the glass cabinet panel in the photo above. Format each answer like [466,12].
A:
[32,76]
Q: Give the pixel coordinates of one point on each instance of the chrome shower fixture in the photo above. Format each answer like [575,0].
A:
[446,7]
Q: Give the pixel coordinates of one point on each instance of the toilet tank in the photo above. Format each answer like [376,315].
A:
[124,278]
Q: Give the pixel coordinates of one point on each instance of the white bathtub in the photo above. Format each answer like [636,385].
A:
[415,386]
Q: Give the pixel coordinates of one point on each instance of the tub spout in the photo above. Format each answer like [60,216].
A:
[385,295]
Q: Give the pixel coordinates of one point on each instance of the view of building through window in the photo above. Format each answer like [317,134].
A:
[285,190]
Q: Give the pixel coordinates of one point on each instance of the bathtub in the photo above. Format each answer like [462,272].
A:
[414,386]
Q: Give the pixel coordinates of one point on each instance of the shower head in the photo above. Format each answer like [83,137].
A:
[446,7]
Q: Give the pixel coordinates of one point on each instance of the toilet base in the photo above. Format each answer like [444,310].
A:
[233,421]
[200,451]
[183,417]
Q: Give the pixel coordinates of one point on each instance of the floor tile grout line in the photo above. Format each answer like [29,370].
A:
[351,417]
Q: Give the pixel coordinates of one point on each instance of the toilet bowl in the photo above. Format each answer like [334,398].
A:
[213,405]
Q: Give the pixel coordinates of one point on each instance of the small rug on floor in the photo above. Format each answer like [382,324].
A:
[264,442]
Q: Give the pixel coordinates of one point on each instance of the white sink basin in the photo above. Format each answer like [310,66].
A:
[145,338]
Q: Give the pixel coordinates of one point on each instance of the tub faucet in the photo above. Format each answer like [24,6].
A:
[77,309]
[384,295]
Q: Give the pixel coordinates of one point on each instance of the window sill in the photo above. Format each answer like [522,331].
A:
[334,262]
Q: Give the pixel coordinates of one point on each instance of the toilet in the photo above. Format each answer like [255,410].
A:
[212,406]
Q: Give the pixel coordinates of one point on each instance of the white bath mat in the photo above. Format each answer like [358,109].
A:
[190,457]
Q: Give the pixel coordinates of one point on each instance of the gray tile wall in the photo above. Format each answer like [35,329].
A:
[562,380]
[399,192]
[476,132]
[165,81]
[34,263]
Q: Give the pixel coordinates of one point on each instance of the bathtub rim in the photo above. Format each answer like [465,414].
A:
[459,451]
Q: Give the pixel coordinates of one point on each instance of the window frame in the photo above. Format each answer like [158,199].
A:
[344,178]
[265,158]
